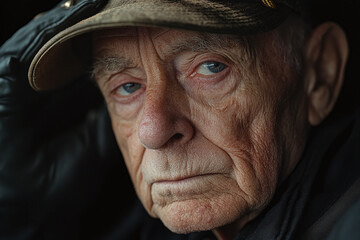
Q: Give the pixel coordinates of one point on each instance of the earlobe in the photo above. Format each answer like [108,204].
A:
[325,55]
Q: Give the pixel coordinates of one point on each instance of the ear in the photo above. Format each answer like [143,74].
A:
[326,53]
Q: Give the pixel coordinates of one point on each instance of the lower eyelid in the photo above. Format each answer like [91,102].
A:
[207,82]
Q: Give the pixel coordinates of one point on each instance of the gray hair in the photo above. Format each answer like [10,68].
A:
[290,39]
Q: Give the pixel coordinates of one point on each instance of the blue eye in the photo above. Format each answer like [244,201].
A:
[210,68]
[128,88]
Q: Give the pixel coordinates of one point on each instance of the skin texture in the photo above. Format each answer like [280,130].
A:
[205,149]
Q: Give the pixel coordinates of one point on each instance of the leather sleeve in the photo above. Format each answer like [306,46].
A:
[58,156]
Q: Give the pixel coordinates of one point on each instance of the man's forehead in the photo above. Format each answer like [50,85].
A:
[173,40]
[118,48]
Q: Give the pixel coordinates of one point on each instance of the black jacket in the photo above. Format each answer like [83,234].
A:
[62,175]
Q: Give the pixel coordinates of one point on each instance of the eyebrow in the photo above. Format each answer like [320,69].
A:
[109,64]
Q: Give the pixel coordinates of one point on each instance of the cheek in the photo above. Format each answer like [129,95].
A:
[133,153]
[256,155]
[124,133]
[246,133]
[131,149]
[266,152]
[125,130]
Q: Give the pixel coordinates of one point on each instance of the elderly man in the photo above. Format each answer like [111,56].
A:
[213,105]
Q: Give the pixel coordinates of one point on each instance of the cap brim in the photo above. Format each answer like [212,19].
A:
[59,61]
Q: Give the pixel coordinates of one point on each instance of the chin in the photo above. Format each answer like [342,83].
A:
[197,215]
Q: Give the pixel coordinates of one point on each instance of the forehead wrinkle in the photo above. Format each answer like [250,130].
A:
[160,32]
[203,42]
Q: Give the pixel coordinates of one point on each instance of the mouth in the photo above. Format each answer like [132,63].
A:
[185,179]
[184,187]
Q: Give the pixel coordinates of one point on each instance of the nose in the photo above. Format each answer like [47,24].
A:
[162,122]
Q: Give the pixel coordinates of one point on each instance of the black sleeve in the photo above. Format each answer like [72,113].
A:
[60,168]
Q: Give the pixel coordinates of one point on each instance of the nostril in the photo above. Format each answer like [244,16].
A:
[177,136]
[175,139]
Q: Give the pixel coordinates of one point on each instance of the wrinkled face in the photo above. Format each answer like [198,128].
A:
[206,129]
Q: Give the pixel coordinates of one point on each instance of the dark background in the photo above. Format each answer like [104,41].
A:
[16,13]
